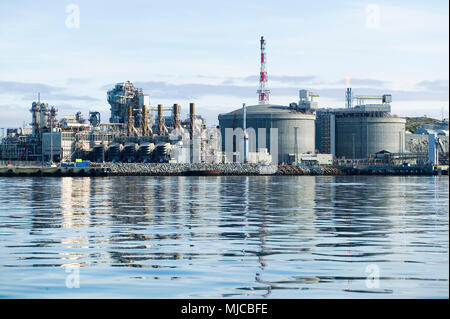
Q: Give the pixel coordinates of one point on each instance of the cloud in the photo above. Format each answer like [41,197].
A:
[193,90]
[69,97]
[283,78]
[362,82]
[21,87]
[436,85]
[158,89]
[28,91]
[71,81]
[59,97]
[228,82]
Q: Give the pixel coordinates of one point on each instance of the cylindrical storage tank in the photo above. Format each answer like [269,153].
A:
[359,137]
[44,116]
[296,130]
[36,117]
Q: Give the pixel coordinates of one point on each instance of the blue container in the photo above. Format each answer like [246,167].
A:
[83,164]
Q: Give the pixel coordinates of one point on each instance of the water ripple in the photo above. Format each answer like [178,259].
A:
[232,237]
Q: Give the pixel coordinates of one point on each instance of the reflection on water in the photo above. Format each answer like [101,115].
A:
[209,237]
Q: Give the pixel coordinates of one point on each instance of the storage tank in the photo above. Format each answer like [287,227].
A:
[359,137]
[296,130]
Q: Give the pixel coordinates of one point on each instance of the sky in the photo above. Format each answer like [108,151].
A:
[207,52]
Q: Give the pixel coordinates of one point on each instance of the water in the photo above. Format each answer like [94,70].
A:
[215,237]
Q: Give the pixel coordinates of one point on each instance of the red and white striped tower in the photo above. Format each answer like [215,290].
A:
[263,93]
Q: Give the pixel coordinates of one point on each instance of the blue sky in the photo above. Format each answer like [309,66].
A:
[207,52]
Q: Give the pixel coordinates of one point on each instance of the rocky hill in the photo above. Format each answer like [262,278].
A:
[413,123]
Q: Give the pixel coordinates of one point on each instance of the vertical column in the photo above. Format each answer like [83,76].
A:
[160,120]
[130,121]
[176,116]
[274,145]
[333,135]
[244,127]
[191,130]
[263,93]
[144,120]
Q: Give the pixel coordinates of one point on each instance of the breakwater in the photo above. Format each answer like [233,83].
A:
[144,169]
[199,169]
[189,169]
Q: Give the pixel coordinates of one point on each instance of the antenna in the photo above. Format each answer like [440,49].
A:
[263,92]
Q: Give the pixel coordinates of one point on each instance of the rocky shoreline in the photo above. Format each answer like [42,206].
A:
[162,169]
[166,169]
[204,169]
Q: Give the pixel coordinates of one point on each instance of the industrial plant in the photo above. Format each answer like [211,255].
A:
[132,135]
[300,134]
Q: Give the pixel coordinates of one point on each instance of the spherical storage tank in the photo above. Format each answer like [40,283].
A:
[296,130]
[359,137]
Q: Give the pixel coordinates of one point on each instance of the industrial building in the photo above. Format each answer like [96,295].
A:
[133,134]
[298,133]
[295,130]
[285,131]
[360,131]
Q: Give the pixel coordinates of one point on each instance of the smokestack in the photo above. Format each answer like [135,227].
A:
[130,121]
[144,120]
[160,120]
[348,93]
[176,116]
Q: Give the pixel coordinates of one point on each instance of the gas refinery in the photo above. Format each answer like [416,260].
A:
[362,133]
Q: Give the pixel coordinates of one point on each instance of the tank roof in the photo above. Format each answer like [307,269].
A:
[269,110]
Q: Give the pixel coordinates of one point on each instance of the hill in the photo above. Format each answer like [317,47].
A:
[413,123]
